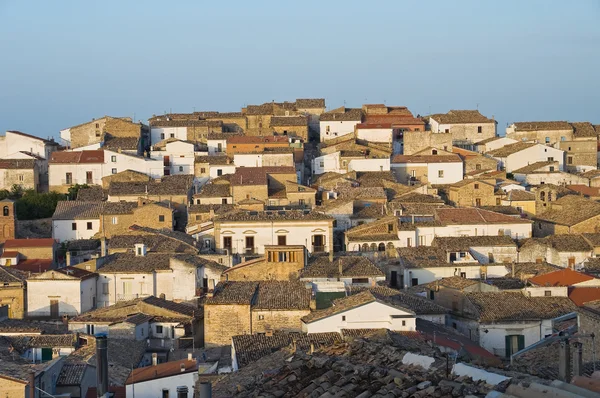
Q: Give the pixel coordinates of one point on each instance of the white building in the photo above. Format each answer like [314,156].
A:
[66,291]
[116,162]
[249,232]
[176,156]
[14,142]
[264,159]
[432,169]
[520,154]
[158,134]
[339,122]
[67,168]
[75,219]
[360,311]
[340,162]
[493,143]
[377,133]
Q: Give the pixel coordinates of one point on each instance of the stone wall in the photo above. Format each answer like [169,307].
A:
[289,321]
[259,125]
[588,323]
[474,163]
[88,133]
[223,321]
[232,124]
[297,131]
[580,153]
[555,136]
[241,192]
[469,132]
[124,176]
[144,216]
[15,297]
[416,141]
[26,178]
[199,133]
[121,128]
[264,270]
[467,195]
[36,252]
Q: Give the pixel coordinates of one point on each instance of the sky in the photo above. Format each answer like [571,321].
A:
[65,62]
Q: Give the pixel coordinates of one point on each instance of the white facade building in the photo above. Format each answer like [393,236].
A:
[332,129]
[381,134]
[434,169]
[518,155]
[15,141]
[66,291]
[177,156]
[158,134]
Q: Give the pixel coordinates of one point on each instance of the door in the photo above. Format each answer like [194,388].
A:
[571,262]
[54,308]
[250,244]
[127,289]
[89,178]
[46,354]
[514,343]
[318,243]
[227,243]
[281,240]
[394,278]
[166,161]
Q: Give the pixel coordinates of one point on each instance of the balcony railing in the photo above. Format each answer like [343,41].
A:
[318,249]
[249,250]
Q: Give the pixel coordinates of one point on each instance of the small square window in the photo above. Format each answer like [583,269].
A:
[89,225]
[403,323]
[261,317]
[114,171]
[548,293]
[161,218]
[440,173]
[74,226]
[479,129]
[219,172]
[343,318]
[172,135]
[113,158]
[547,140]
[476,186]
[162,136]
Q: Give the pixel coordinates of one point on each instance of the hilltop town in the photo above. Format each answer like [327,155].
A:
[294,249]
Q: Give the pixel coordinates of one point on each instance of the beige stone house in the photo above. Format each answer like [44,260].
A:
[466,126]
[238,308]
[475,162]
[258,182]
[97,130]
[292,126]
[282,263]
[22,172]
[12,291]
[569,214]
[548,133]
[117,217]
[581,153]
[127,176]
[176,189]
[472,192]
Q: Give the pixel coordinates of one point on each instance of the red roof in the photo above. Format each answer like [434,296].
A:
[582,295]
[161,370]
[395,120]
[585,190]
[95,156]
[563,277]
[474,215]
[9,254]
[43,242]
[33,266]
[374,126]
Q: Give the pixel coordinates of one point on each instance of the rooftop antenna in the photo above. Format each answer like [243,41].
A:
[478,106]
[194,109]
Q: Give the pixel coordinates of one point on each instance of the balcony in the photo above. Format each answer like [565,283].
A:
[249,250]
[318,249]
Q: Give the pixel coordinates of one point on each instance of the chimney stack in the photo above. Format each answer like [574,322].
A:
[190,358]
[154,359]
[102,247]
[102,367]
[205,390]
[31,377]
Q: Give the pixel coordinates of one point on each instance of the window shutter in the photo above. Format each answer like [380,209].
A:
[507,346]
[521,342]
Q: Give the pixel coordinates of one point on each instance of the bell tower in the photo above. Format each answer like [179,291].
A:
[8,220]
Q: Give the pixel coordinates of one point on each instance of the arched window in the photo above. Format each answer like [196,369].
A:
[365,247]
[381,247]
[5,211]
[373,247]
[543,196]
[549,196]
[390,246]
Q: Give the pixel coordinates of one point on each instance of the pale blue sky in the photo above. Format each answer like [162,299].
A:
[65,62]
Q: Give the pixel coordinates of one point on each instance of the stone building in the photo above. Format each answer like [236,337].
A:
[252,144]
[548,133]
[232,121]
[467,193]
[117,217]
[8,220]
[568,215]
[31,249]
[238,308]
[12,292]
[258,182]
[475,162]
[339,122]
[466,126]
[280,262]
[193,127]
[417,141]
[24,173]
[96,131]
[582,152]
[176,189]
[547,194]
[292,126]
[128,176]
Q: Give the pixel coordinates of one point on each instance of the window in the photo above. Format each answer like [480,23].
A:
[520,209]
[165,393]
[261,317]
[74,226]
[343,318]
[97,125]
[227,242]
[548,293]
[219,172]
[415,281]
[5,211]
[440,173]
[408,242]
[569,159]
[69,178]
[89,225]
[422,240]
[113,158]
[478,202]
[21,178]
[478,166]
[105,288]
[434,152]
[162,136]
[479,129]
[114,171]
[483,276]
[301,202]
[159,329]
[89,329]
[463,275]
[547,140]
[89,179]
[498,202]
[569,148]
[219,147]
[403,323]
[447,131]
[327,129]
[550,159]
[161,218]
[203,170]
[114,220]
[180,168]
[172,135]
[476,186]
[281,240]
[334,223]
[197,217]
[321,164]
[551,168]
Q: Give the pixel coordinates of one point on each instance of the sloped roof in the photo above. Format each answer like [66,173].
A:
[351,266]
[532,167]
[451,216]
[342,114]
[564,277]
[11,275]
[510,149]
[419,305]
[535,126]
[92,156]
[282,295]
[450,158]
[464,243]
[289,121]
[77,210]
[461,116]
[583,294]
[574,210]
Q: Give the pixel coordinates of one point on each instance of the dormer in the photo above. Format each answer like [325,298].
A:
[140,249]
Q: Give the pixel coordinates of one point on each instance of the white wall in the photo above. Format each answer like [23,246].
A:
[374,315]
[473,271]
[540,291]
[16,142]
[382,135]
[337,128]
[265,233]
[142,285]
[154,388]
[57,173]
[535,153]
[213,146]
[71,300]
[263,159]
[498,143]
[213,170]
[494,340]
[327,163]
[452,172]
[369,165]
[181,157]
[122,161]
[63,230]
[158,134]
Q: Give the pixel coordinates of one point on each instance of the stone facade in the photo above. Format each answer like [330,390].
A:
[472,193]
[479,162]
[94,132]
[549,136]
[231,122]
[221,321]
[297,131]
[26,178]
[416,141]
[543,228]
[281,263]
[13,295]
[150,215]
[124,176]
[280,320]
[580,155]
[241,192]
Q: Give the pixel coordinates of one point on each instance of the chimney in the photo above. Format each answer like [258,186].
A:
[205,390]
[512,270]
[103,247]
[154,359]
[190,358]
[564,361]
[269,332]
[31,377]
[101,367]
[182,367]
[340,267]
[68,258]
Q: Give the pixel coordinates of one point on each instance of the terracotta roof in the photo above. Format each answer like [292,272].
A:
[394,120]
[510,149]
[452,216]
[94,156]
[535,126]
[17,164]
[463,183]
[574,210]
[282,295]
[252,347]
[564,277]
[34,265]
[76,210]
[307,103]
[461,243]
[461,116]
[289,121]
[450,158]
[507,210]
[251,139]
[532,167]
[581,295]
[40,242]
[7,254]
[347,303]
[585,190]
[527,270]
[342,114]
[161,370]
[352,267]
[504,306]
